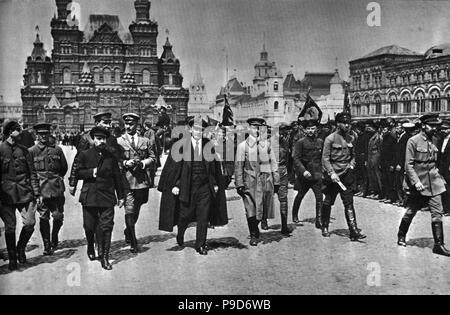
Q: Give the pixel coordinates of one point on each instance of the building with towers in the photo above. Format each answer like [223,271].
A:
[199,104]
[103,67]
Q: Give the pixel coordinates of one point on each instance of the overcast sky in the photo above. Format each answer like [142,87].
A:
[306,34]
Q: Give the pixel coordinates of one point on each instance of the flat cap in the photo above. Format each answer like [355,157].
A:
[259,122]
[430,119]
[343,117]
[99,131]
[102,116]
[42,128]
[131,116]
[309,123]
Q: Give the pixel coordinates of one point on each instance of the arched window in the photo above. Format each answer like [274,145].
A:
[275,86]
[377,100]
[435,97]
[406,103]
[170,79]
[107,76]
[356,106]
[393,103]
[420,102]
[67,76]
[96,75]
[366,105]
[275,106]
[146,77]
[117,75]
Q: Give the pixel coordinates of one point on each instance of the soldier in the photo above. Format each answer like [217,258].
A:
[281,145]
[338,161]
[308,166]
[19,187]
[139,162]
[99,170]
[256,177]
[423,182]
[51,167]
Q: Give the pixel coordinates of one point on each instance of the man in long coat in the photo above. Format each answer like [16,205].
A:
[257,177]
[192,187]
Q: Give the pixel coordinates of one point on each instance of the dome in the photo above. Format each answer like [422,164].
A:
[438,51]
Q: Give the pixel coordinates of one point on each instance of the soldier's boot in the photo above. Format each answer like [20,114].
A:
[131,223]
[106,246]
[44,227]
[402,231]
[99,241]
[254,231]
[24,237]
[57,225]
[90,238]
[438,234]
[350,216]
[126,232]
[319,217]
[326,212]
[285,229]
[295,211]
[12,252]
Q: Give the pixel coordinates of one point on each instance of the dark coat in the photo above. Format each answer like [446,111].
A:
[400,150]
[99,191]
[178,173]
[387,157]
[444,161]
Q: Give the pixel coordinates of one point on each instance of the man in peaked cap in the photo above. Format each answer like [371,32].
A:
[307,157]
[19,188]
[51,167]
[338,162]
[444,162]
[138,163]
[424,183]
[255,156]
[102,188]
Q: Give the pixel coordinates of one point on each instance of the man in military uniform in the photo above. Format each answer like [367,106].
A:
[338,162]
[139,161]
[308,166]
[51,167]
[257,177]
[281,146]
[99,170]
[19,187]
[423,182]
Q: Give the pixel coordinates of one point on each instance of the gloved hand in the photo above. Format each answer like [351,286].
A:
[276,189]
[241,191]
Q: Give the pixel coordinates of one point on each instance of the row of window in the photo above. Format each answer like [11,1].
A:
[375,80]
[106,76]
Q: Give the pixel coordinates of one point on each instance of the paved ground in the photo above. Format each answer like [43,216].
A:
[305,263]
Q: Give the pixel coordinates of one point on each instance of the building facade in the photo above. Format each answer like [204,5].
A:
[397,82]
[9,110]
[102,68]
[199,104]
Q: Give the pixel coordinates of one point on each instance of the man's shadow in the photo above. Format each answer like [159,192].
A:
[423,242]
[214,244]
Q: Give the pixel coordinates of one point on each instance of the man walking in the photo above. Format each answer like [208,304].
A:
[51,167]
[139,162]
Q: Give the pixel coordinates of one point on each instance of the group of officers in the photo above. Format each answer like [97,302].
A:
[120,171]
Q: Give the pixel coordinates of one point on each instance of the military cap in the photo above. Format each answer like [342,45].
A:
[309,123]
[430,119]
[259,122]
[102,116]
[42,128]
[130,116]
[343,117]
[408,125]
[99,131]
[446,123]
[10,126]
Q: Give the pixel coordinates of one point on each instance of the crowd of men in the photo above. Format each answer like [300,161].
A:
[400,162]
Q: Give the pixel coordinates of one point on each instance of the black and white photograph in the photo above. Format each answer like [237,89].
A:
[226,148]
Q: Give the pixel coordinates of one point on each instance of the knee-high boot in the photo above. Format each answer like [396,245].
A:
[438,234]
[326,213]
[350,216]
[254,230]
[131,223]
[99,241]
[12,251]
[90,238]
[57,224]
[106,246]
[319,215]
[44,226]
[25,236]
[285,229]
[296,208]
[403,230]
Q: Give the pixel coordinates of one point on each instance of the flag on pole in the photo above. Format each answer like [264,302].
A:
[310,111]
[227,116]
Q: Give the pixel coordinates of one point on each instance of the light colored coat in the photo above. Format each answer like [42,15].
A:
[256,170]
[139,177]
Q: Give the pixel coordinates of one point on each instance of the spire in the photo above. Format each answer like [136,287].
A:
[168,53]
[142,10]
[38,49]
[197,76]
[264,54]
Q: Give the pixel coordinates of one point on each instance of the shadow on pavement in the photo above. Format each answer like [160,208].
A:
[424,242]
[213,244]
[35,261]
[270,237]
